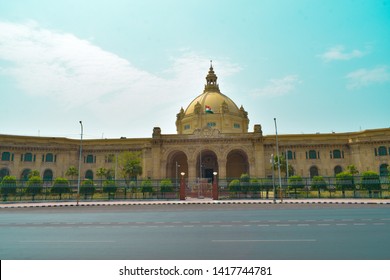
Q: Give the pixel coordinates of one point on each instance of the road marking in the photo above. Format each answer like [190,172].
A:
[72,241]
[341,224]
[282,225]
[207,225]
[359,224]
[267,240]
[387,219]
[303,225]
[263,225]
[378,224]
[226,225]
[188,226]
[323,225]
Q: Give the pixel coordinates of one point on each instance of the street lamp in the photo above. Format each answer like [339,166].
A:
[177,166]
[182,192]
[277,154]
[81,150]
[215,186]
[272,161]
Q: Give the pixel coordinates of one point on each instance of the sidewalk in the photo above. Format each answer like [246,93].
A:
[190,201]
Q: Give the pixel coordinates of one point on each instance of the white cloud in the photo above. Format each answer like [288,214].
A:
[339,53]
[77,74]
[278,87]
[365,77]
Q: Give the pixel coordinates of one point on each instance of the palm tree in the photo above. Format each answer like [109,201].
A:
[71,172]
[101,172]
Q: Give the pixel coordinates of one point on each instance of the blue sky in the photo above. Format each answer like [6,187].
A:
[124,67]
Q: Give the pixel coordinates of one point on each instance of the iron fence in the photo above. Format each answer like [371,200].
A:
[168,189]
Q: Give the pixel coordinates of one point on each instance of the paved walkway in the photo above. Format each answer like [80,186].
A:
[190,201]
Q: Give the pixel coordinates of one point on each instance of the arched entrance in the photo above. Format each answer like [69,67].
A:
[237,164]
[207,164]
[176,164]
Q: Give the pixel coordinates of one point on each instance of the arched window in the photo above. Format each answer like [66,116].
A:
[6,156]
[289,155]
[382,151]
[49,157]
[25,173]
[3,172]
[336,154]
[28,157]
[338,169]
[48,175]
[89,174]
[383,169]
[313,171]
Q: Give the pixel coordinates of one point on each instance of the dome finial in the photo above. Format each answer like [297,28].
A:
[211,64]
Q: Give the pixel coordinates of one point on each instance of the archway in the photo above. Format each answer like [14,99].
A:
[4,172]
[313,171]
[48,175]
[206,164]
[237,164]
[176,164]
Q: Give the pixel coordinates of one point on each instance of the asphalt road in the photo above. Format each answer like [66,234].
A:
[185,232]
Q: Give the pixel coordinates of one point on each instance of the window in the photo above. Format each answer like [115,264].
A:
[211,124]
[25,174]
[90,159]
[336,154]
[290,155]
[89,174]
[187,126]
[312,154]
[28,157]
[382,151]
[237,125]
[6,156]
[3,172]
[49,158]
[338,169]
[110,158]
[313,171]
[48,175]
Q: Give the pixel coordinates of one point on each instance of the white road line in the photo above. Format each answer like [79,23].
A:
[359,224]
[263,225]
[266,240]
[226,225]
[207,225]
[72,241]
[323,225]
[303,225]
[282,225]
[341,224]
[378,224]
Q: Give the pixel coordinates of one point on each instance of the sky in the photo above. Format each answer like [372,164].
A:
[124,67]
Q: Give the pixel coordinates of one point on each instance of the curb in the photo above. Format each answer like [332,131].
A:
[167,203]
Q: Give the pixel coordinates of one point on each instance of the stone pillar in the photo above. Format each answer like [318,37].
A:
[222,168]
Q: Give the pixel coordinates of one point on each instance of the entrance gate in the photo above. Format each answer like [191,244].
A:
[199,188]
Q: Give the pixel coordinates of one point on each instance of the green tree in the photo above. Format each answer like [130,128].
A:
[345,181]
[130,165]
[283,166]
[101,172]
[34,186]
[296,182]
[110,188]
[8,186]
[72,172]
[318,183]
[87,188]
[60,186]
[34,173]
[370,181]
[352,169]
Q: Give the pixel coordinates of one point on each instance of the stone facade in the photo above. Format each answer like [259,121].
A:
[206,142]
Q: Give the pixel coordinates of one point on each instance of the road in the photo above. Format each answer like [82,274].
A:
[185,232]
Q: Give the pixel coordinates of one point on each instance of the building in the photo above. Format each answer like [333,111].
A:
[212,136]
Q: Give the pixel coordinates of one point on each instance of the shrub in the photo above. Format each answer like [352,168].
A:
[370,181]
[87,188]
[244,182]
[318,183]
[234,185]
[34,186]
[255,185]
[166,185]
[8,186]
[60,186]
[146,186]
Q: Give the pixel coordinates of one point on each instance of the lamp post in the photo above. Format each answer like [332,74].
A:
[215,186]
[272,161]
[81,150]
[182,192]
[177,166]
[277,154]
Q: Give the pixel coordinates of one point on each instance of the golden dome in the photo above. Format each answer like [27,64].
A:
[212,98]
[212,109]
